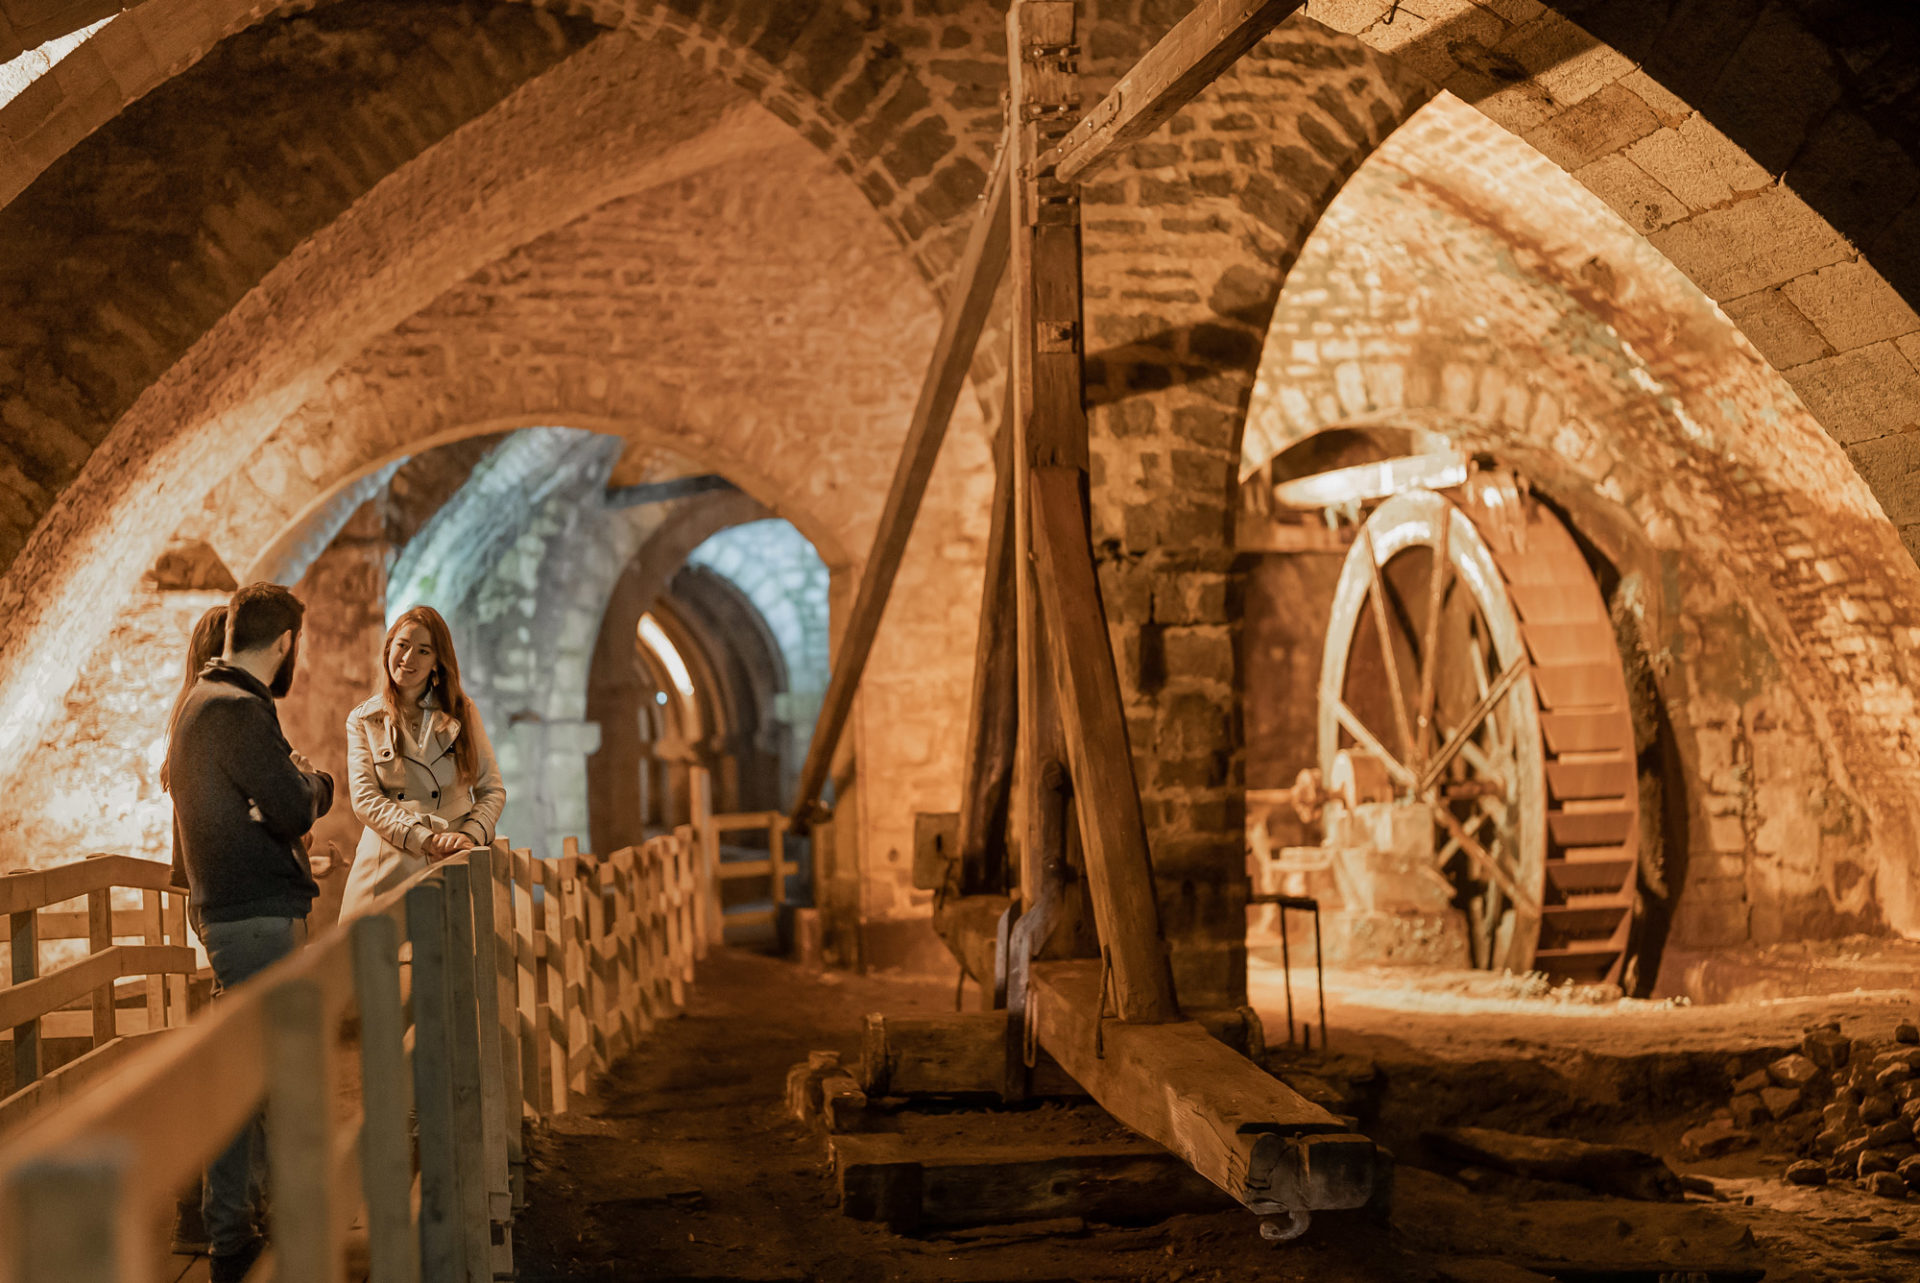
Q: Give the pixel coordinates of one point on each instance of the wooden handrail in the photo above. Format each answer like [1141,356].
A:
[475,1031]
[38,888]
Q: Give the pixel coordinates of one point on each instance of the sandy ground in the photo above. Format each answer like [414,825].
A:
[685,1166]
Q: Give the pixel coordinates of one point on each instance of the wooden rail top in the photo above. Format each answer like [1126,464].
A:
[38,888]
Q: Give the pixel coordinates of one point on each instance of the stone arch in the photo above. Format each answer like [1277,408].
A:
[1476,295]
[614,681]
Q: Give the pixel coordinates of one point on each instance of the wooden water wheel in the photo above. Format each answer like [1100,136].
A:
[1498,702]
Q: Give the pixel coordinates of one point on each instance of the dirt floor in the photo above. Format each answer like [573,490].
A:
[686,1166]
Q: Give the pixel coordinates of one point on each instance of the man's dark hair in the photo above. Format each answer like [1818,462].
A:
[259,613]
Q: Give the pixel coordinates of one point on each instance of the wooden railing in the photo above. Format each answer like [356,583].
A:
[773,869]
[490,986]
[78,1000]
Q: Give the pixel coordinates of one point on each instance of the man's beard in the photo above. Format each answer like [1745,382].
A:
[283,676]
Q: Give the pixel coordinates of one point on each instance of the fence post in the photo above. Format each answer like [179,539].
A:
[602,982]
[469,1104]
[507,1009]
[386,1093]
[553,902]
[530,986]
[706,862]
[153,931]
[24,951]
[62,1220]
[443,1247]
[300,1135]
[498,1191]
[100,936]
[574,933]
[175,913]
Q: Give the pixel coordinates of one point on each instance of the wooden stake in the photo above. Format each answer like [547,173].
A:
[443,1244]
[386,1092]
[300,1135]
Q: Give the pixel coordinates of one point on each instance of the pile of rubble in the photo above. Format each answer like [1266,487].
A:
[1851,1107]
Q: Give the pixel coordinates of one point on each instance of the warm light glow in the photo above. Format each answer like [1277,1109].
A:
[656,641]
[28,67]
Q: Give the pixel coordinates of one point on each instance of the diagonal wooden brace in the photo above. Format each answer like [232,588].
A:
[1119,869]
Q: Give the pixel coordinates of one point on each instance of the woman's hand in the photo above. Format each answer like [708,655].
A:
[442,845]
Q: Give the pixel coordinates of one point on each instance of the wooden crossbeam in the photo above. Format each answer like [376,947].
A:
[1238,1126]
[1188,59]
[968,306]
[1119,869]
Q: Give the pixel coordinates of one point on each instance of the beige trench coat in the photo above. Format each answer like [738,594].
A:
[404,793]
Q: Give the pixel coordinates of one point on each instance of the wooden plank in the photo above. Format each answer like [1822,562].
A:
[529,988]
[506,1001]
[68,1221]
[1119,868]
[1211,38]
[66,924]
[178,991]
[44,1093]
[916,1185]
[993,721]
[24,955]
[1049,415]
[300,1134]
[92,974]
[41,887]
[960,1053]
[153,932]
[99,939]
[701,797]
[1238,1126]
[463,1041]
[443,1244]
[969,301]
[734,870]
[553,1014]
[386,1092]
[486,993]
[736,821]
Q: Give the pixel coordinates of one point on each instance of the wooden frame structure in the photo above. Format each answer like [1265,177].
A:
[484,990]
[80,999]
[1154,1069]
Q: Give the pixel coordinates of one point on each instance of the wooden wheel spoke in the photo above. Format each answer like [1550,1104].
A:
[1430,643]
[1496,873]
[1452,847]
[1451,749]
[1371,743]
[1377,594]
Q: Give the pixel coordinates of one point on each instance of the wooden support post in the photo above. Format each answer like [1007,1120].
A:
[100,938]
[707,864]
[1119,869]
[66,1220]
[602,983]
[23,947]
[684,882]
[443,1242]
[553,989]
[299,1061]
[968,304]
[386,1092]
[1238,1126]
[993,722]
[469,1103]
[177,990]
[1049,419]
[506,1012]
[498,1188]
[1211,38]
[153,931]
[530,988]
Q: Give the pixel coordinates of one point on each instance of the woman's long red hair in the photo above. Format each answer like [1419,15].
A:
[444,683]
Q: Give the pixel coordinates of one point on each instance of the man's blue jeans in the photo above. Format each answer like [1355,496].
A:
[238,951]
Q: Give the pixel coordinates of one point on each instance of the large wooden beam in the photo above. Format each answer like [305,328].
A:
[1188,59]
[1238,1126]
[1049,411]
[1119,868]
[975,280]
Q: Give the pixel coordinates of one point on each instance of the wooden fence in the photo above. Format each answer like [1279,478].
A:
[393,1059]
[773,869]
[79,1001]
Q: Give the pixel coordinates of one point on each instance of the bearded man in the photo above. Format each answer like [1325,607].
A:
[242,800]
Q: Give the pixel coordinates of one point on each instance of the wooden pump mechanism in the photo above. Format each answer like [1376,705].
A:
[1048,722]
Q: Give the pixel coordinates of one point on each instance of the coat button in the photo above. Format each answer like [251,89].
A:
[402,797]
[436,796]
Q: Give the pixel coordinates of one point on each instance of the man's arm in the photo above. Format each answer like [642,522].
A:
[259,762]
